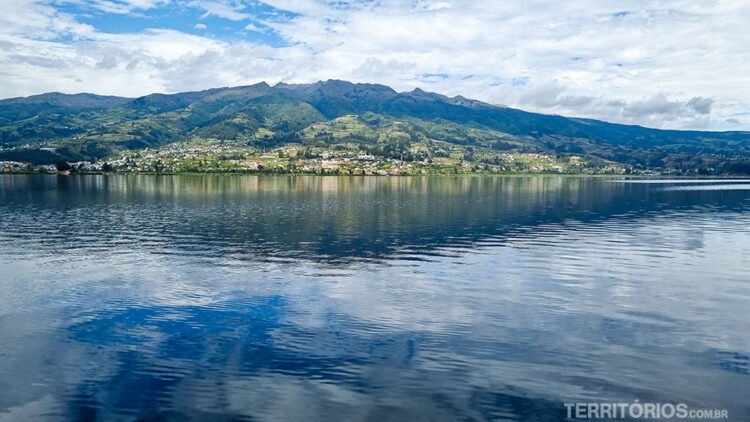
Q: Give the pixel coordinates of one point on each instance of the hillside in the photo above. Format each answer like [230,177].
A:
[338,115]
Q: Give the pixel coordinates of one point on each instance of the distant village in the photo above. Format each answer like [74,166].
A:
[296,161]
[231,158]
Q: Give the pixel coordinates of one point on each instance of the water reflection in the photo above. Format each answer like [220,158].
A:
[290,298]
[318,218]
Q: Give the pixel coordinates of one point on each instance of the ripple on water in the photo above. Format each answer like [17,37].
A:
[396,298]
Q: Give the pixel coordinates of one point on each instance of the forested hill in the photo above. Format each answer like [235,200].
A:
[52,127]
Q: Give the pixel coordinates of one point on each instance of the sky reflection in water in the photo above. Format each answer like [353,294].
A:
[290,298]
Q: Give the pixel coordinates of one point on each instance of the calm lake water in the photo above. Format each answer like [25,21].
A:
[346,298]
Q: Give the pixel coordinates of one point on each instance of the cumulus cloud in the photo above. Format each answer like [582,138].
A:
[701,105]
[654,110]
[544,95]
[663,63]
[691,113]
[374,68]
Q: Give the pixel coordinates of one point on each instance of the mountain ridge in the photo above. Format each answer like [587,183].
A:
[41,98]
[82,126]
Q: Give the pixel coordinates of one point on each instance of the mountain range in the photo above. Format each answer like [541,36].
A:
[51,127]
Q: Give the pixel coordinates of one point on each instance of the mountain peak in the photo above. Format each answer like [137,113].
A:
[338,86]
[422,94]
[238,113]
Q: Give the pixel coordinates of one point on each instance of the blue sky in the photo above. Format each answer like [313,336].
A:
[660,63]
[231,22]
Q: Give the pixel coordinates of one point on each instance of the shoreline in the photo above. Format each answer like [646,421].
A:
[266,174]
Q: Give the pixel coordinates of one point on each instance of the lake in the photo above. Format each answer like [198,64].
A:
[369,298]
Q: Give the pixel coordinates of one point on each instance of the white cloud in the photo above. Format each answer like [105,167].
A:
[222,9]
[664,63]
[254,28]
[34,19]
[654,110]
[119,7]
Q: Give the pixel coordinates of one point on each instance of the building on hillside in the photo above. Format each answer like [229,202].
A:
[329,164]
[11,166]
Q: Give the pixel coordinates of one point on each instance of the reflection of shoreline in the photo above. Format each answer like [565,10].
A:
[324,218]
[210,183]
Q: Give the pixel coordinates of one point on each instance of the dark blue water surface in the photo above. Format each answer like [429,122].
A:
[326,298]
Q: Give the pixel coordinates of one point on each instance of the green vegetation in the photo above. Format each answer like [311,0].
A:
[317,156]
[338,127]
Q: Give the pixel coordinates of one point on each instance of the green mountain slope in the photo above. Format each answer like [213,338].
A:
[373,118]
